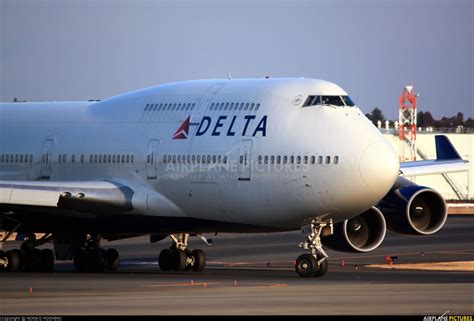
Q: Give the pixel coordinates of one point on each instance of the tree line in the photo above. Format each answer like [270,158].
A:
[425,119]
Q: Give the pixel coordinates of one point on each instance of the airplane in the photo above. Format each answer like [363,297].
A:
[188,158]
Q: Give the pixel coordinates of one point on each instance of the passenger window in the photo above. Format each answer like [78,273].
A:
[225,159]
[259,159]
[246,106]
[131,158]
[222,106]
[313,159]
[231,106]
[199,159]
[214,159]
[257,106]
[219,159]
[272,160]
[328,159]
[292,159]
[251,106]
[305,159]
[226,106]
[193,105]
[21,158]
[241,106]
[95,159]
[127,159]
[212,106]
[285,159]
[298,159]
[336,159]
[320,159]
[73,158]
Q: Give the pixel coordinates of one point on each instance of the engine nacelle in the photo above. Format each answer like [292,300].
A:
[412,209]
[362,233]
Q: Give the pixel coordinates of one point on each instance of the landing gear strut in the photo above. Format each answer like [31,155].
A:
[314,264]
[179,258]
[92,258]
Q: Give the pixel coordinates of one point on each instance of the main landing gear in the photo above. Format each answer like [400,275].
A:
[179,258]
[92,258]
[314,264]
[28,258]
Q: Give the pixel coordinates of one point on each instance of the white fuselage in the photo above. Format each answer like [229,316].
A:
[278,166]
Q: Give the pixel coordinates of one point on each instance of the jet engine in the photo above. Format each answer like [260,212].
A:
[362,233]
[412,209]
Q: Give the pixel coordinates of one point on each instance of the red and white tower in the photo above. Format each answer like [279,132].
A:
[407,123]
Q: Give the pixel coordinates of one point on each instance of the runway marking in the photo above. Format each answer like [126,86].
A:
[180,284]
[205,284]
[459,266]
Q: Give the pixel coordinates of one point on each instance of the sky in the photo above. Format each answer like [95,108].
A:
[52,50]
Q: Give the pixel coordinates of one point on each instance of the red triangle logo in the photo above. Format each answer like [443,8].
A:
[183,130]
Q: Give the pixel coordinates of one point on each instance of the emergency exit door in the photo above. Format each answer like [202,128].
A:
[244,167]
[152,159]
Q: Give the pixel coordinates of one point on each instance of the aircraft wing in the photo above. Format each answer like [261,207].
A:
[447,160]
[93,197]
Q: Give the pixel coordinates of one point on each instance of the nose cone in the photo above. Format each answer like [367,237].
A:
[379,167]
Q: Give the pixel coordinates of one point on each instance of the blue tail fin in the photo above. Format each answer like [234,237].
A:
[445,149]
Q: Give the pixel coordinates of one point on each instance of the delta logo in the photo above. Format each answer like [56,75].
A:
[220,127]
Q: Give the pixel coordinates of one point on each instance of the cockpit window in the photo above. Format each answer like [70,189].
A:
[339,101]
[348,101]
[332,100]
[312,100]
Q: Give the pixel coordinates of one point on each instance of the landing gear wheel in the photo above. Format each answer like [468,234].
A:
[47,260]
[3,257]
[112,259]
[306,266]
[178,260]
[164,260]
[32,260]
[13,257]
[199,260]
[323,268]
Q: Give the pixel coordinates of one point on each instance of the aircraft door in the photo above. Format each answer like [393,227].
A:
[245,150]
[152,159]
[46,159]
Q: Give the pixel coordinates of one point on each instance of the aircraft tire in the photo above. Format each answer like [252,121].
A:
[164,260]
[322,269]
[178,260]
[306,266]
[2,256]
[199,260]
[112,259]
[14,264]
[47,260]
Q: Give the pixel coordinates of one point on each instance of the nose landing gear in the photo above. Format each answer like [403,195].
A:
[314,264]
